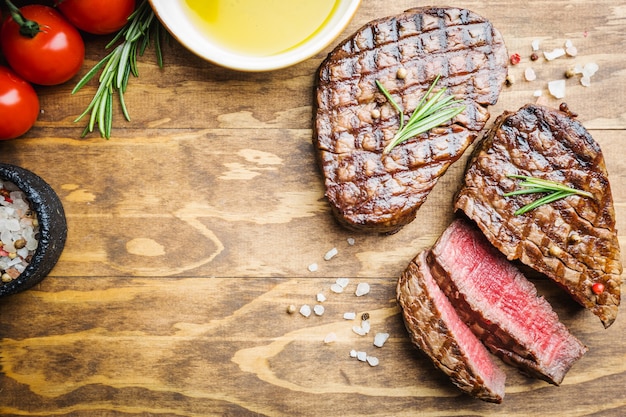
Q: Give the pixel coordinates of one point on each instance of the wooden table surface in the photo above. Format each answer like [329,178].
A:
[192,229]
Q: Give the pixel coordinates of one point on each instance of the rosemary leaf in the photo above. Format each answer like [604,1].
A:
[429,113]
[532,185]
[117,66]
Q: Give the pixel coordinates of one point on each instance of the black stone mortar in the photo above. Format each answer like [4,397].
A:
[52,227]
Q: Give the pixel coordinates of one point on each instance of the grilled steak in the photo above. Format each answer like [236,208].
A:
[573,240]
[370,191]
[500,305]
[437,330]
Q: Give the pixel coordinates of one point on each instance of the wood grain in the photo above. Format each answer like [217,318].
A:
[191,230]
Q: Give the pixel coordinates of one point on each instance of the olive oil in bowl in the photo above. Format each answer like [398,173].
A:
[260,27]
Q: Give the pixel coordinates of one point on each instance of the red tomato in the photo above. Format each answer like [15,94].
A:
[19,105]
[52,56]
[99,17]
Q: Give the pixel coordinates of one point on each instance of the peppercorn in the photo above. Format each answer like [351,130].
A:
[597,288]
[515,59]
[534,56]
[365,316]
[401,73]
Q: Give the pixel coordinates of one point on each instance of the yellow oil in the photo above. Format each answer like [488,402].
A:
[260,27]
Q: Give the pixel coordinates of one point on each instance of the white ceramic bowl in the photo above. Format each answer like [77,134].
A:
[175,18]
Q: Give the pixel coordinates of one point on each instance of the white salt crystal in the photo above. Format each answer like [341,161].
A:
[320,297]
[535,44]
[590,69]
[353,353]
[568,43]
[330,337]
[349,316]
[380,339]
[330,254]
[305,310]
[318,309]
[365,325]
[359,330]
[362,356]
[557,88]
[571,51]
[372,360]
[351,241]
[336,288]
[537,93]
[554,54]
[313,267]
[529,74]
[362,289]
[343,282]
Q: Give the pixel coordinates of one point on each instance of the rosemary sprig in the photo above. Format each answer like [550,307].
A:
[118,65]
[532,185]
[429,113]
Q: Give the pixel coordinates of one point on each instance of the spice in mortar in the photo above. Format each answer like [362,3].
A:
[19,231]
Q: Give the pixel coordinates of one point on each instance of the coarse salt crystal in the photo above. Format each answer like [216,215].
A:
[305,310]
[351,241]
[359,330]
[362,289]
[372,360]
[313,267]
[380,339]
[365,325]
[330,337]
[343,282]
[330,254]
[557,88]
[362,356]
[349,316]
[320,297]
[585,81]
[353,353]
[537,93]
[318,309]
[554,54]
[571,51]
[535,44]
[590,69]
[529,74]
[336,288]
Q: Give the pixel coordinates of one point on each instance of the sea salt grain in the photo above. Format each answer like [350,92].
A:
[351,241]
[349,316]
[380,339]
[320,297]
[18,231]
[336,288]
[313,267]
[557,88]
[319,310]
[343,282]
[305,310]
[362,289]
[330,338]
[372,360]
[330,254]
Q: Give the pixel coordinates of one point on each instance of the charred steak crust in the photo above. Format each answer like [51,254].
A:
[435,328]
[573,241]
[367,190]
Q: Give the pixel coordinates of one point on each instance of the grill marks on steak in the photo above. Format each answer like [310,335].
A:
[573,241]
[501,306]
[436,329]
[374,192]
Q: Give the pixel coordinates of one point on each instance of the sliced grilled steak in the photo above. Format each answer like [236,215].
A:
[370,191]
[500,305]
[573,240]
[436,329]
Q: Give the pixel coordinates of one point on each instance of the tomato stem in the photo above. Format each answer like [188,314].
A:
[28,28]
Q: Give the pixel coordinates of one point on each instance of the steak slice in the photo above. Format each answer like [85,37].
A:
[369,191]
[573,240]
[500,305]
[436,329]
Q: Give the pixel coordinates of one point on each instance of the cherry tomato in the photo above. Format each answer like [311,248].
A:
[52,56]
[99,17]
[19,105]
